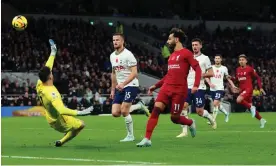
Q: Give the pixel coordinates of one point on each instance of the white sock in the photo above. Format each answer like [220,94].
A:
[223,110]
[135,107]
[184,127]
[208,116]
[215,112]
[129,125]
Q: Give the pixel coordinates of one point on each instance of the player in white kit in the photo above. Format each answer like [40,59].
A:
[198,98]
[217,86]
[125,85]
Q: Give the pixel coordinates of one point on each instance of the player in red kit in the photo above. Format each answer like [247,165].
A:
[174,88]
[244,75]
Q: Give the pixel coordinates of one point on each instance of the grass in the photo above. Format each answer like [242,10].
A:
[240,141]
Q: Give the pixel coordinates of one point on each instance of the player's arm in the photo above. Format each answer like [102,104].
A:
[132,75]
[59,106]
[228,78]
[50,61]
[132,64]
[208,81]
[195,65]
[208,66]
[113,80]
[157,85]
[160,83]
[259,81]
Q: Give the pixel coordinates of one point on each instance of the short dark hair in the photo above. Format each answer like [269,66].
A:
[177,32]
[243,56]
[44,74]
[197,40]
[219,55]
[119,34]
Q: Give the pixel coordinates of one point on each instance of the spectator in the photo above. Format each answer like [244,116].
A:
[256,91]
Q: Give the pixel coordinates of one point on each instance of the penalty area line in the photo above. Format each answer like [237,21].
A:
[79,159]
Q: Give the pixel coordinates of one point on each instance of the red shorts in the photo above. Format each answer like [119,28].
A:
[175,100]
[247,95]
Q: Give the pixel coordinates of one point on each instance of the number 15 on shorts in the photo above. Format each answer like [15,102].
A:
[127,95]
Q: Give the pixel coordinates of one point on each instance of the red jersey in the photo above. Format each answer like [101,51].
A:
[245,77]
[179,65]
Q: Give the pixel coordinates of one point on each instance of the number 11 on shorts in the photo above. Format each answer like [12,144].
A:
[176,107]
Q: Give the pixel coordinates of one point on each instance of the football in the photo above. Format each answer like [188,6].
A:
[19,23]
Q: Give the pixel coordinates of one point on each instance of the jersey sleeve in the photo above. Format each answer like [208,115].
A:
[58,104]
[131,60]
[161,82]
[259,81]
[226,72]
[208,64]
[50,61]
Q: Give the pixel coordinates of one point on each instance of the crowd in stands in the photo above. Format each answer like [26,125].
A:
[82,68]
[232,11]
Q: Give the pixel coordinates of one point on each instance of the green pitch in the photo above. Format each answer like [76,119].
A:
[30,141]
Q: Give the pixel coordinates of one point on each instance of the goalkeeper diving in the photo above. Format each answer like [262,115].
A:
[58,116]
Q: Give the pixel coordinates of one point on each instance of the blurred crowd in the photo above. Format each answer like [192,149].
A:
[188,9]
[82,68]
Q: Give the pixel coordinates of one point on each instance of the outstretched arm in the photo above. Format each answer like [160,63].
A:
[160,83]
[230,81]
[50,61]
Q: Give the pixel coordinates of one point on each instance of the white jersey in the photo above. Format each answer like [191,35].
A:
[219,74]
[205,64]
[121,63]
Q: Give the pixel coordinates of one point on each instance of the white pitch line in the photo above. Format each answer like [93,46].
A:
[115,130]
[84,160]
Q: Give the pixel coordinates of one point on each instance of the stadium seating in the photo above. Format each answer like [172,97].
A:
[90,46]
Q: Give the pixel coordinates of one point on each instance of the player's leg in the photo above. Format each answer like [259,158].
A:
[199,98]
[218,105]
[130,95]
[116,105]
[140,105]
[176,105]
[215,108]
[246,100]
[221,107]
[71,126]
[161,101]
[184,112]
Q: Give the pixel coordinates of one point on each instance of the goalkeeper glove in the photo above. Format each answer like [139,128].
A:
[53,47]
[86,111]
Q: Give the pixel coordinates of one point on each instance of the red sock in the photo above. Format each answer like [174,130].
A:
[246,104]
[185,121]
[258,116]
[152,122]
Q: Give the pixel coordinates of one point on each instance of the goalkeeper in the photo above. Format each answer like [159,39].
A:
[58,116]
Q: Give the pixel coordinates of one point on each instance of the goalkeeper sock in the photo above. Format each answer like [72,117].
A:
[68,136]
